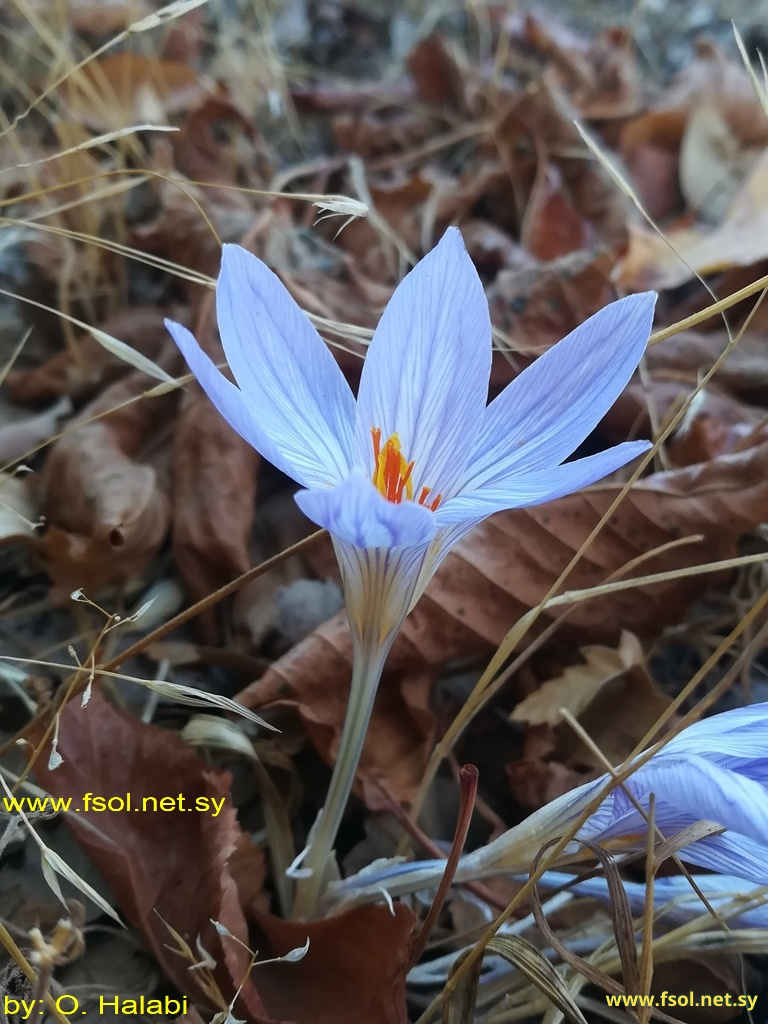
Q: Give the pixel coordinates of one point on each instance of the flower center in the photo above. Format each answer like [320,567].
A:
[392,473]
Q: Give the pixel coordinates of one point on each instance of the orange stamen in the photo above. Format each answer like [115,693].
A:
[392,473]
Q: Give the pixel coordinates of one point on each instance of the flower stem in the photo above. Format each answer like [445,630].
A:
[366,672]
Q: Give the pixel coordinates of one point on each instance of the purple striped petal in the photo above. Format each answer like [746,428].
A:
[425,377]
[229,401]
[544,414]
[286,372]
[538,486]
[674,899]
[688,788]
[736,739]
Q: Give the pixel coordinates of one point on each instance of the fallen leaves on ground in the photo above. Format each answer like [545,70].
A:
[615,700]
[471,128]
[664,261]
[145,856]
[188,870]
[78,371]
[402,730]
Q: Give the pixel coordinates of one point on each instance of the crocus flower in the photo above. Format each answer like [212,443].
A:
[400,475]
[715,771]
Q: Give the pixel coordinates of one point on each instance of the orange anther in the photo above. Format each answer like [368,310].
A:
[392,472]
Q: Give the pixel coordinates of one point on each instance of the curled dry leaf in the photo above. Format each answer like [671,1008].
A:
[579,684]
[612,695]
[507,564]
[107,511]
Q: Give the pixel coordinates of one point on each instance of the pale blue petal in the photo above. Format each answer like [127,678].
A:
[285,370]
[544,414]
[538,486]
[426,374]
[733,739]
[728,853]
[228,400]
[357,514]
[673,896]
[688,788]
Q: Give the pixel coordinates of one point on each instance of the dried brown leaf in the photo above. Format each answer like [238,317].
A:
[123,88]
[402,729]
[26,433]
[218,144]
[600,76]
[166,868]
[612,695]
[436,72]
[536,306]
[552,227]
[649,146]
[715,976]
[354,971]
[107,510]
[715,78]
[214,491]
